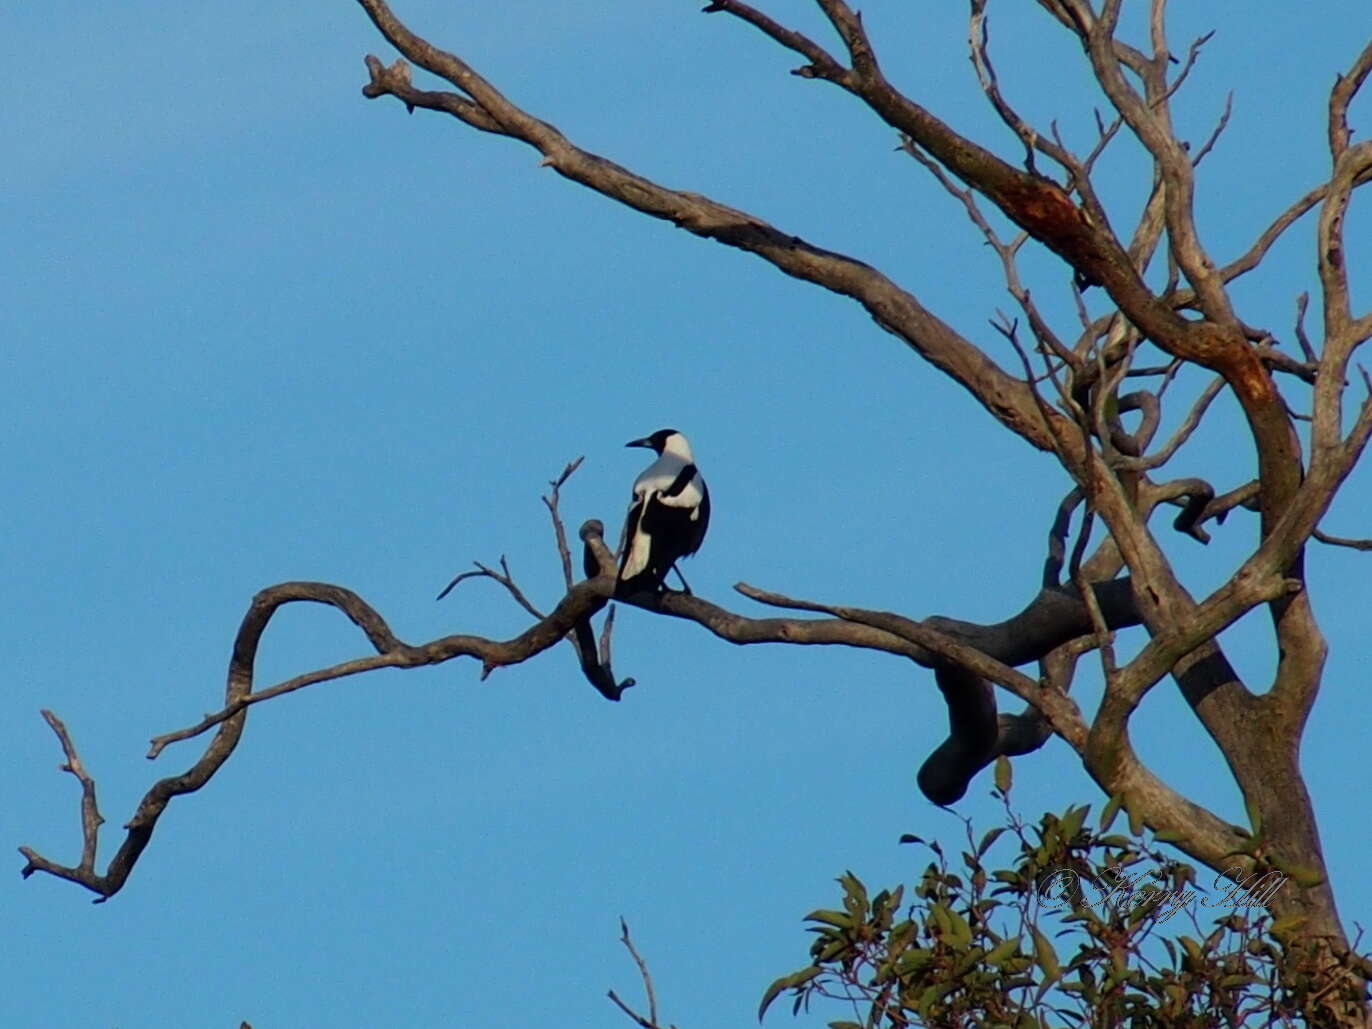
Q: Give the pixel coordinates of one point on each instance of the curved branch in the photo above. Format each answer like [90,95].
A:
[822,64]
[893,308]
[579,604]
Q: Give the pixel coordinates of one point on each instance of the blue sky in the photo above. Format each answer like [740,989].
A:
[263,329]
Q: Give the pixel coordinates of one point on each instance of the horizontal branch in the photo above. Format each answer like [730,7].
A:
[977,734]
[1342,541]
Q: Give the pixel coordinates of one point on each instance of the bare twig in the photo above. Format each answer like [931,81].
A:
[607,630]
[1192,56]
[1345,89]
[1303,302]
[1218,131]
[1062,445]
[1342,541]
[596,561]
[594,659]
[1057,538]
[650,1021]
[551,502]
[503,577]
[1183,433]
[90,811]
[978,37]
[1104,134]
[1007,252]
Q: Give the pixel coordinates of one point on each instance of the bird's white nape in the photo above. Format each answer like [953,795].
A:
[678,445]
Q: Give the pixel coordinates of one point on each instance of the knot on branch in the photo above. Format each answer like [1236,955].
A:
[597,558]
[386,81]
[1198,495]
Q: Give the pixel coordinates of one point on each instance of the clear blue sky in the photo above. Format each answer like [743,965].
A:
[259,329]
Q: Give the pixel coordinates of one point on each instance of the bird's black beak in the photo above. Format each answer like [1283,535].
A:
[644,442]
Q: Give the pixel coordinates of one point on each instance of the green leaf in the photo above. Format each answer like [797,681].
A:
[854,895]
[1192,948]
[1135,818]
[961,933]
[943,919]
[910,837]
[771,994]
[1284,925]
[1072,822]
[988,840]
[784,983]
[1003,950]
[913,960]
[837,919]
[1112,809]
[900,937]
[933,995]
[1046,956]
[1004,777]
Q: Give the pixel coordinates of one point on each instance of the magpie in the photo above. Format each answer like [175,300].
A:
[668,515]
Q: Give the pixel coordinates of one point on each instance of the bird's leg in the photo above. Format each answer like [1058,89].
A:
[684,584]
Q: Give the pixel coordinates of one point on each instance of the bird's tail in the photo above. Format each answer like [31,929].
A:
[647,581]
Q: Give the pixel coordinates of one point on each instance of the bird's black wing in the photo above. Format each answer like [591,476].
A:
[702,521]
[682,480]
[631,522]
[589,565]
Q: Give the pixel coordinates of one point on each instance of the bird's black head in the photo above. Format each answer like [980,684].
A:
[656,441]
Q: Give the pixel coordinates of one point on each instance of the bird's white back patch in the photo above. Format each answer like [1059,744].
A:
[659,477]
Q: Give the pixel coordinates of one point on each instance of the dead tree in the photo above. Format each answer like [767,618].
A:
[1067,396]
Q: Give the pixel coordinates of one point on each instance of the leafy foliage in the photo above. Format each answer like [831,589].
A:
[1086,927]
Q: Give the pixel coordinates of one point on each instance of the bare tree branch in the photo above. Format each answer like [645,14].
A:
[1345,89]
[1129,579]
[1342,541]
[1184,431]
[821,64]
[891,307]
[580,602]
[503,577]
[551,502]
[650,1020]
[91,819]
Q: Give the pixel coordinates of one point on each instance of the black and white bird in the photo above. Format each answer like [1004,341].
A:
[668,515]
